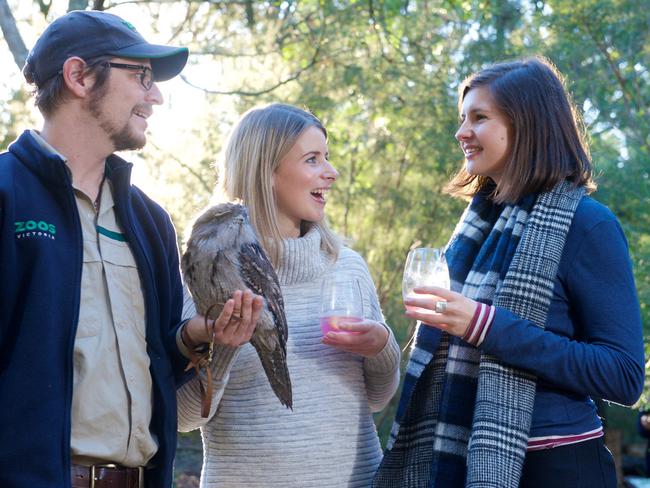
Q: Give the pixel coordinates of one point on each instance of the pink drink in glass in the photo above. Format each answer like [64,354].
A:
[331,323]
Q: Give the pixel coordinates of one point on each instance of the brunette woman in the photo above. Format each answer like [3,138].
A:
[543,314]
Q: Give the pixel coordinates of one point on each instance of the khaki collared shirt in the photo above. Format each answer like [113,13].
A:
[112,392]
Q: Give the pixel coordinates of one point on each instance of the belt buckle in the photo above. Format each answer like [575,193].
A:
[92,471]
[114,466]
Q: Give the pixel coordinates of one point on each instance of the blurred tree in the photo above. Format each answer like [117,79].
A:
[12,34]
[15,116]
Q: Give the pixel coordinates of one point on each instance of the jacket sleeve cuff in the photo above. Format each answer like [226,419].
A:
[480,324]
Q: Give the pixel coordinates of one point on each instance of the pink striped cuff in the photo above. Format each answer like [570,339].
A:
[480,324]
[549,442]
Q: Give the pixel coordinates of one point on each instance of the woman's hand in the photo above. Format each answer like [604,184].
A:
[446,310]
[368,338]
[233,327]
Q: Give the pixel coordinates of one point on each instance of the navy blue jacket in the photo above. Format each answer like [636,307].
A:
[40,274]
[592,343]
[592,346]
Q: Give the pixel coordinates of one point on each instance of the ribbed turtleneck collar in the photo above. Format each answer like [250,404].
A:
[301,259]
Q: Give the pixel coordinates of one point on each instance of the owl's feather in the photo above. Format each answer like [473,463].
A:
[223,255]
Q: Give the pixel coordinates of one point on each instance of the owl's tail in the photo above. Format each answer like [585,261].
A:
[275,366]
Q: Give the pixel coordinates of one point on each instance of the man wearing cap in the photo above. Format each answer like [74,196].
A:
[92,345]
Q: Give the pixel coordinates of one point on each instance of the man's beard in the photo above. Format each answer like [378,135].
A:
[123,138]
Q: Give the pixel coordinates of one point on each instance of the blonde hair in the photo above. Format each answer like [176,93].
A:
[257,145]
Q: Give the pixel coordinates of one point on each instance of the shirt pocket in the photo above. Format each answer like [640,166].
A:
[93,307]
[124,288]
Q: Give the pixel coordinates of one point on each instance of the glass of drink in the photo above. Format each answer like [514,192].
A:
[424,266]
[341,302]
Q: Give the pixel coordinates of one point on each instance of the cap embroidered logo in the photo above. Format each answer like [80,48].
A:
[129,25]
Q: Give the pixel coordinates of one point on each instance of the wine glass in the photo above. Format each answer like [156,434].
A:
[340,302]
[424,266]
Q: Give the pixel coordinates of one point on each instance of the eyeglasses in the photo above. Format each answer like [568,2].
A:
[145,75]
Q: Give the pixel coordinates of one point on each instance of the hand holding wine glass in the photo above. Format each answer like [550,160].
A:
[425,266]
[340,302]
[342,318]
[427,295]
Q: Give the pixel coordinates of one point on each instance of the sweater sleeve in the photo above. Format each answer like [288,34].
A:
[188,396]
[604,355]
[381,372]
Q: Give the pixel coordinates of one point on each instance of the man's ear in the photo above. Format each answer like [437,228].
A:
[75,77]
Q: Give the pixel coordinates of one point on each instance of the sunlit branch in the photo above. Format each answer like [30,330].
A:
[189,15]
[244,93]
[213,2]
[187,167]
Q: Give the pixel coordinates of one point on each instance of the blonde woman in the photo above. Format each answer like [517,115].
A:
[277,164]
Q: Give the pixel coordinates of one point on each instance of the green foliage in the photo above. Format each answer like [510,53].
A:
[15,116]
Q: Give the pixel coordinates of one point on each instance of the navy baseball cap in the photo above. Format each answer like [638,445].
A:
[90,33]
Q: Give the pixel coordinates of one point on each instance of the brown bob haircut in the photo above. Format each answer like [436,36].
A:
[547,134]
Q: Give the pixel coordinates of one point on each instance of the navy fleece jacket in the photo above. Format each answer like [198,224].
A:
[40,276]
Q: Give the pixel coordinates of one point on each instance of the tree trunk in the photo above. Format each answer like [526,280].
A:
[12,35]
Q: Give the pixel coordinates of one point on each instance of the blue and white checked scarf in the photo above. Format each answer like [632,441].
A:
[464,417]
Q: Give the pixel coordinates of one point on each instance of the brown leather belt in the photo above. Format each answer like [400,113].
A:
[106,476]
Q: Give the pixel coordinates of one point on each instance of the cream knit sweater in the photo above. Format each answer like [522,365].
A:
[329,439]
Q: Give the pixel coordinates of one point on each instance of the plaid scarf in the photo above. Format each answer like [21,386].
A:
[464,416]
